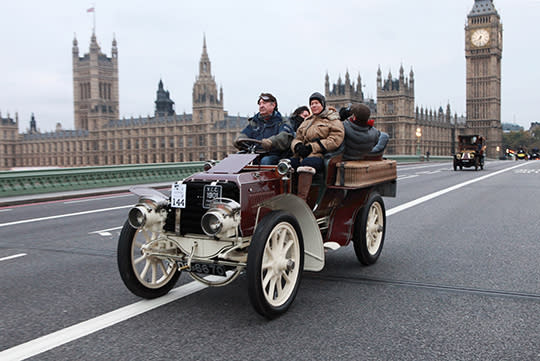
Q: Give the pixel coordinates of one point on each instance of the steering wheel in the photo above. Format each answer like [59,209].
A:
[249,145]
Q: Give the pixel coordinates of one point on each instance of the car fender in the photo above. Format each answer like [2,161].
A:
[313,242]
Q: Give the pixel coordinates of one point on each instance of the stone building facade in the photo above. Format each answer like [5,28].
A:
[9,137]
[95,86]
[101,138]
[395,113]
[483,54]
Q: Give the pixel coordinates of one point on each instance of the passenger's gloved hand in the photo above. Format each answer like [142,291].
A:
[345,113]
[266,144]
[298,148]
[303,150]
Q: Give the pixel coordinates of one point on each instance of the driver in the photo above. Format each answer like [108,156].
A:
[270,128]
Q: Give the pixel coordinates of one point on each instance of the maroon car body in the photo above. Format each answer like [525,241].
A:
[239,216]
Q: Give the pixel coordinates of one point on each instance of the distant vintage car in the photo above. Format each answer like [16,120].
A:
[470,152]
[237,216]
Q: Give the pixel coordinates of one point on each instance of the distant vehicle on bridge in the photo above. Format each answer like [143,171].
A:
[521,154]
[535,153]
[470,152]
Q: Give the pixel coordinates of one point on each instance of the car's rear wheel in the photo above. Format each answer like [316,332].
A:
[369,230]
[275,264]
[145,275]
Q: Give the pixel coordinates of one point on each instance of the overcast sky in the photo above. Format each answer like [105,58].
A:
[281,46]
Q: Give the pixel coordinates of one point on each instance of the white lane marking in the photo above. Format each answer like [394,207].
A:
[428,197]
[63,336]
[403,167]
[62,216]
[105,230]
[6,210]
[58,338]
[96,199]
[407,176]
[12,257]
[527,171]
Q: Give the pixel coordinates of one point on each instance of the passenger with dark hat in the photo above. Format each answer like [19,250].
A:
[298,116]
[270,128]
[320,133]
[362,139]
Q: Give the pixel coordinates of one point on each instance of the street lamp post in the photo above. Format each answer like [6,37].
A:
[418,136]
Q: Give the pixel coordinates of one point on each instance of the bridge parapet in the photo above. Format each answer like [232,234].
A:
[27,182]
[13,183]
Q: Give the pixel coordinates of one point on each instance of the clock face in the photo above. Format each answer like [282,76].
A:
[480,37]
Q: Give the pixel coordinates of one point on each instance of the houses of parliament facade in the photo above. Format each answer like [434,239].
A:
[101,137]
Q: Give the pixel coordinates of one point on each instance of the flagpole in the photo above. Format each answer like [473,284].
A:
[93,11]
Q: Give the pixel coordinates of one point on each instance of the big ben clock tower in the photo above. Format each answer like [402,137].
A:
[483,53]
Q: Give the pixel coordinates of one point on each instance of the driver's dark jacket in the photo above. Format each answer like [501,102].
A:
[275,128]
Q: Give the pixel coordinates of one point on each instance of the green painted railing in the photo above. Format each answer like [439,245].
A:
[13,183]
[27,182]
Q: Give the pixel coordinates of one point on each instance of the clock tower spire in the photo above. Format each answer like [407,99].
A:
[483,54]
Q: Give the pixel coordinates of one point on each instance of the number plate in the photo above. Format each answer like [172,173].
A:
[209,194]
[204,268]
[178,195]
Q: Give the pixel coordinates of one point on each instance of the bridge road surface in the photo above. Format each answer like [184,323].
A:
[458,279]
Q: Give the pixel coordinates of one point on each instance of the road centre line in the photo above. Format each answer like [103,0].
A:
[406,167]
[12,257]
[62,216]
[428,197]
[63,336]
[407,176]
[105,230]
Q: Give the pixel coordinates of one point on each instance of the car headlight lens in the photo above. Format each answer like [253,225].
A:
[137,216]
[212,223]
[222,219]
[148,213]
[284,166]
[458,156]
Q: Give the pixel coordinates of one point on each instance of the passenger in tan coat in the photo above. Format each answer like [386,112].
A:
[320,133]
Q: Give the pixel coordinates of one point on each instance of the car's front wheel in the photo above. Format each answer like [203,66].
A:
[275,264]
[144,274]
[369,230]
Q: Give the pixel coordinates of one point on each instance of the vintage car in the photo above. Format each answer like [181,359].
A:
[237,216]
[470,152]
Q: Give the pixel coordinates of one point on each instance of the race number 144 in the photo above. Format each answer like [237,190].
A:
[178,195]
